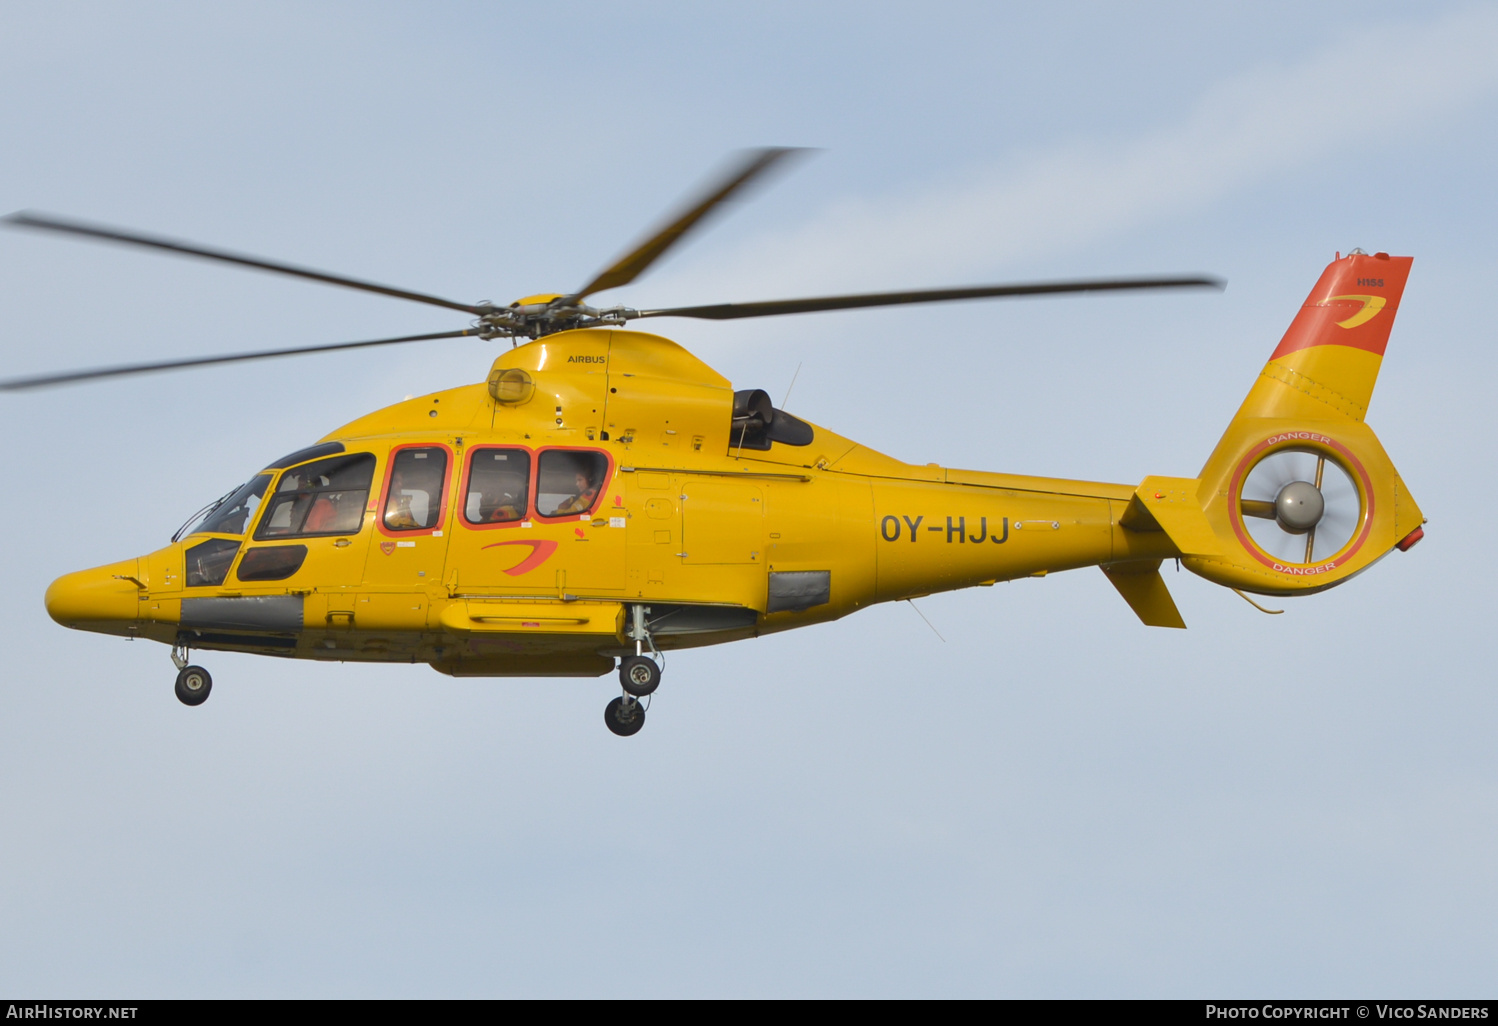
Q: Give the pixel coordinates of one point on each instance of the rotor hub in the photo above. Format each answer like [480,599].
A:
[536,316]
[1299,507]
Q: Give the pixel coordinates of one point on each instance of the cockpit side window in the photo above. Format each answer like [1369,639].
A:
[413,501]
[234,514]
[570,481]
[499,482]
[208,562]
[326,497]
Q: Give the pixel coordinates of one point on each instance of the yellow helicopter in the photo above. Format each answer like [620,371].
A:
[604,496]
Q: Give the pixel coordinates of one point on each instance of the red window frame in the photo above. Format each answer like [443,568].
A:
[603,485]
[415,532]
[531,512]
[530,487]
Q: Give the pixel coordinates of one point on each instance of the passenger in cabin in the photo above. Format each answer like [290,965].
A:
[506,510]
[498,486]
[414,501]
[398,515]
[582,501]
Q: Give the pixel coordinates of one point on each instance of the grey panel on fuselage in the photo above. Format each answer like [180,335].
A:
[247,613]
[795,590]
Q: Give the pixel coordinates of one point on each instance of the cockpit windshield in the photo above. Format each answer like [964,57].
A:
[231,515]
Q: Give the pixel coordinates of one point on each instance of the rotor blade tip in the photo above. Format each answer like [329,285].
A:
[788,151]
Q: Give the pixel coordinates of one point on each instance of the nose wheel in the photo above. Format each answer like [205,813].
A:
[193,682]
[193,685]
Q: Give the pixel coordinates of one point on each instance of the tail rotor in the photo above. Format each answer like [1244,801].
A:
[1300,506]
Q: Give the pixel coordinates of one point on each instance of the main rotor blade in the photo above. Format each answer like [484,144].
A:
[45,222]
[632,264]
[71,377]
[774,308]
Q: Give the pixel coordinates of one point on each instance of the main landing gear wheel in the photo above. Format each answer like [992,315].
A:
[194,684]
[639,675]
[624,716]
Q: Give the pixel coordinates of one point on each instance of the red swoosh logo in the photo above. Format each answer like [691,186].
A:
[541,551]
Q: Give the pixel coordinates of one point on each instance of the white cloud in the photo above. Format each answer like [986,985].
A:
[1350,97]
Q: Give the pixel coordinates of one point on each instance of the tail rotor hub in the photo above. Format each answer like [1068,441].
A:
[1299,507]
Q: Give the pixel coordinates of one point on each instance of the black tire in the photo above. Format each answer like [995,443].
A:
[193,685]
[639,675]
[624,725]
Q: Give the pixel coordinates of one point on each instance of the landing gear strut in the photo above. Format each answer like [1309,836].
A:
[639,675]
[193,682]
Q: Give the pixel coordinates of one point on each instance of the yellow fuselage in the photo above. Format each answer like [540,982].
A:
[604,489]
[730,542]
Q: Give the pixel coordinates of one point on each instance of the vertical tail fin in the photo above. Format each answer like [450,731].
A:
[1328,362]
[1299,495]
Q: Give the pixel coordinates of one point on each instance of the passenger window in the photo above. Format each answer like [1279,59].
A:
[499,482]
[569,481]
[326,497]
[413,501]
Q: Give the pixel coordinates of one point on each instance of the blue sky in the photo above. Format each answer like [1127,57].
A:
[1055,800]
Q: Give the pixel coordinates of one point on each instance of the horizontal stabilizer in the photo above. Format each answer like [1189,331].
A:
[1169,504]
[1144,590]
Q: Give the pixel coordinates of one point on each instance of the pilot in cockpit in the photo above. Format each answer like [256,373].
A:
[323,515]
